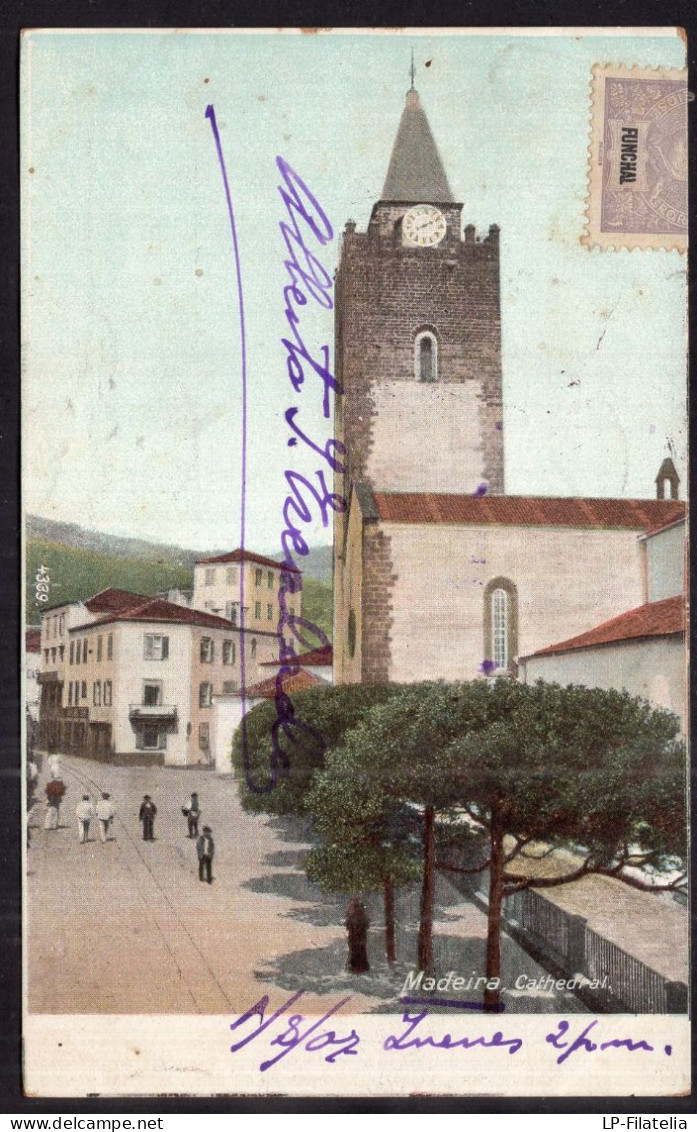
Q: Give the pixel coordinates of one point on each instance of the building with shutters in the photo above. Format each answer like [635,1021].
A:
[138,677]
[222,583]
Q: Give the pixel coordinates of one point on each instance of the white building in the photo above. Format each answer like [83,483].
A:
[642,650]
[229,709]
[137,684]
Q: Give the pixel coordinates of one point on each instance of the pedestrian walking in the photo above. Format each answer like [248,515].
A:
[54,790]
[146,814]
[85,812]
[192,812]
[357,927]
[205,848]
[54,765]
[105,816]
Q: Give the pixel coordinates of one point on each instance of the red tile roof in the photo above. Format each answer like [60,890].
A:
[246,556]
[664,526]
[526,510]
[657,619]
[317,657]
[32,640]
[113,601]
[156,609]
[267,689]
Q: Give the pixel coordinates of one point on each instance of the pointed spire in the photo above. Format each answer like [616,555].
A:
[412,71]
[415,172]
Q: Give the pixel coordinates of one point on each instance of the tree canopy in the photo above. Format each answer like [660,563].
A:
[313,724]
[597,770]
[526,763]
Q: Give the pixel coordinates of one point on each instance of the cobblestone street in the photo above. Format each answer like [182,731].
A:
[126,927]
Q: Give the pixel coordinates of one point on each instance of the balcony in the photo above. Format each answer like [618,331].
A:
[152,713]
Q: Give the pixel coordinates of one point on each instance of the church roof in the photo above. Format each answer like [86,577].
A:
[656,619]
[416,172]
[526,510]
[664,525]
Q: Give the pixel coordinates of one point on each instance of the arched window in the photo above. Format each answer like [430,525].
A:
[500,628]
[426,356]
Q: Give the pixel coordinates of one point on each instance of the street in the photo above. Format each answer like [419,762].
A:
[127,927]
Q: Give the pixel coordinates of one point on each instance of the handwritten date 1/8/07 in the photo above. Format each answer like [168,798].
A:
[43,584]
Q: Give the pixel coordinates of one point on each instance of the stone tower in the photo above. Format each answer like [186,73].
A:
[418,333]
[418,355]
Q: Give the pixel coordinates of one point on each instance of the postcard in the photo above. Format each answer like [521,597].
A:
[354,430]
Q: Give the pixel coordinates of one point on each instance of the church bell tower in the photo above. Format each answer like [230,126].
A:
[418,334]
[418,356]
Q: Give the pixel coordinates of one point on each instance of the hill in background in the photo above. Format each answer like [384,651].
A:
[81,562]
[317,564]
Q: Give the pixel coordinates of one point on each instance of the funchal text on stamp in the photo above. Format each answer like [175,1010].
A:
[638,159]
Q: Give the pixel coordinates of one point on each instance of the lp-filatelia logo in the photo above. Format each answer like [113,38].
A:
[639,1123]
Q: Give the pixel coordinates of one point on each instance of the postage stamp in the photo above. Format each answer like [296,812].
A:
[637,161]
[355,730]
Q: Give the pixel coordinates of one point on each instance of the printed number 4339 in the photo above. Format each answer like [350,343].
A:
[43,584]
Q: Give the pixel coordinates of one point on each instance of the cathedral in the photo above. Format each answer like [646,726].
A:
[438,573]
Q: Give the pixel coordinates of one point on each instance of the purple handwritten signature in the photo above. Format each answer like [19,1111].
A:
[287,1032]
[305,225]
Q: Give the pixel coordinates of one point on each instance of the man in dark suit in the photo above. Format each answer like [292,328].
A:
[147,812]
[205,849]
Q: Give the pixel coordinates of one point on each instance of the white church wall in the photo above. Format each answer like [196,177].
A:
[568,580]
[653,668]
[666,562]
[405,413]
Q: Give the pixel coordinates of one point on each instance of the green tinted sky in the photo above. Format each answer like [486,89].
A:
[131,386]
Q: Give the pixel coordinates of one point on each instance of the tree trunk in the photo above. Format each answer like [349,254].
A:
[493,937]
[428,887]
[388,894]
[357,927]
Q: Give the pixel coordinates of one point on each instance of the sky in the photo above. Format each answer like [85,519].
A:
[131,344]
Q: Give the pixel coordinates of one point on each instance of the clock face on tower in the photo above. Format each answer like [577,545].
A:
[424,226]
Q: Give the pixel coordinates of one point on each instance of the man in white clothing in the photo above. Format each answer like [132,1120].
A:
[105,816]
[85,813]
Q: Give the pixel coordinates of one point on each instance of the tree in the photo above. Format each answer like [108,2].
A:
[400,753]
[306,729]
[369,843]
[526,764]
[582,765]
[314,725]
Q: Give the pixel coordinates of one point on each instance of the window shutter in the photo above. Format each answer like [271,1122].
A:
[165,648]
[212,655]
[139,740]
